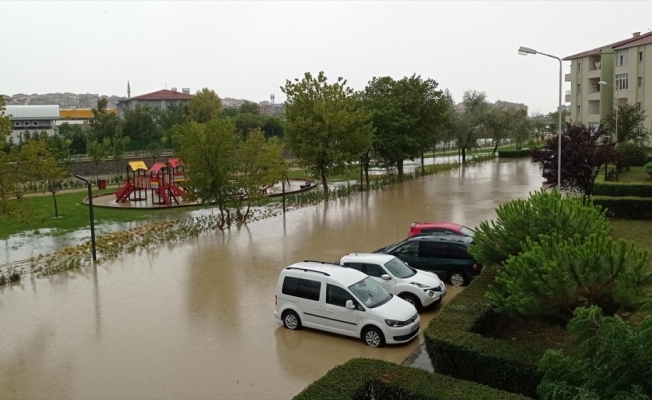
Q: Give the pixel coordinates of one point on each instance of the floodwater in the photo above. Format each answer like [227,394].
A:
[194,319]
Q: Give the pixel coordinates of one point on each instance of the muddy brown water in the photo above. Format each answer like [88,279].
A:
[194,319]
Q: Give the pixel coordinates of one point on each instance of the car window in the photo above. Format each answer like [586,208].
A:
[303,288]
[451,232]
[356,266]
[458,252]
[370,293]
[337,296]
[432,230]
[409,249]
[467,231]
[433,249]
[374,270]
[399,269]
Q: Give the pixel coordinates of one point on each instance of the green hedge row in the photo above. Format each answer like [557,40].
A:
[626,207]
[622,189]
[458,347]
[365,379]
[514,153]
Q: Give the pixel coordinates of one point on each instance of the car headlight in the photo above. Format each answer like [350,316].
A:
[394,324]
[419,285]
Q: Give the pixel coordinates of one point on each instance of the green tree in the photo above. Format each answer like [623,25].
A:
[229,112]
[615,362]
[630,124]
[325,126]
[260,164]
[273,127]
[175,114]
[104,124]
[209,154]
[141,124]
[98,152]
[554,275]
[40,165]
[497,124]
[76,135]
[542,213]
[246,122]
[467,126]
[10,177]
[249,107]
[204,106]
[5,124]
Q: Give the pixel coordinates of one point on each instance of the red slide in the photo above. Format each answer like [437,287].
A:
[177,190]
[123,194]
[164,196]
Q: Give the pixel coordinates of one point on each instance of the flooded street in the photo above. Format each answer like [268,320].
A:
[194,319]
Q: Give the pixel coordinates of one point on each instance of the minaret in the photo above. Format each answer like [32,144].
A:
[128,90]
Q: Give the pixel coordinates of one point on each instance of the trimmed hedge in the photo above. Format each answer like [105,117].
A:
[366,379]
[622,189]
[457,346]
[626,207]
[514,153]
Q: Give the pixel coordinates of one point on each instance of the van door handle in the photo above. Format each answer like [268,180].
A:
[329,310]
[320,308]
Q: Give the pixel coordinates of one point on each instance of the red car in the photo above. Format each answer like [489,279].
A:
[439,228]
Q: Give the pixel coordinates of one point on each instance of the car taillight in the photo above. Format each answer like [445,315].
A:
[477,267]
[412,225]
[275,300]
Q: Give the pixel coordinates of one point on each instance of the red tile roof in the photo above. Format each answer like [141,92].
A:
[164,95]
[633,41]
[637,41]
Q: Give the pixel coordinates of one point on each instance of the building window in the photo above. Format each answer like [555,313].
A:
[640,56]
[34,123]
[640,81]
[579,110]
[17,123]
[639,106]
[579,66]
[621,57]
[622,82]
[579,88]
[26,123]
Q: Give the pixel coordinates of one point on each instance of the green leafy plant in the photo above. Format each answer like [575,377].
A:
[626,207]
[648,168]
[514,153]
[622,189]
[616,362]
[631,154]
[554,275]
[542,213]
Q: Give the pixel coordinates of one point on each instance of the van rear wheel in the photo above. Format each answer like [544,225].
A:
[457,278]
[291,320]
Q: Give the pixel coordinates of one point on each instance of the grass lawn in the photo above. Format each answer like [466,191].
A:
[634,175]
[350,174]
[73,214]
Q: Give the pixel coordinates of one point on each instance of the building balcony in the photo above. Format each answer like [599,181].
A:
[568,97]
[593,118]
[595,95]
[567,78]
[594,73]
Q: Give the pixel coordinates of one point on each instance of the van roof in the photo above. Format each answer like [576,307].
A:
[444,238]
[378,257]
[337,273]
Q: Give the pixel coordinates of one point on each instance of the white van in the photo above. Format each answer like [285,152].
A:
[419,288]
[345,301]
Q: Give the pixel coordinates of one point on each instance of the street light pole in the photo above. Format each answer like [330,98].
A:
[90,208]
[524,51]
[603,83]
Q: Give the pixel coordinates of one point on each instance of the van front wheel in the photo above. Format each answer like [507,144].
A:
[373,337]
[291,320]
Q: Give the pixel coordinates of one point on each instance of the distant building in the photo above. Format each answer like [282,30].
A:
[509,104]
[270,108]
[32,118]
[161,99]
[81,114]
[231,102]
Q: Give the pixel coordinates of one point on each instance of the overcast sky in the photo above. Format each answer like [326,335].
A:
[248,49]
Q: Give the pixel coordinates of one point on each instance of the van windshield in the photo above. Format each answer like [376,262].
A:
[370,293]
[399,269]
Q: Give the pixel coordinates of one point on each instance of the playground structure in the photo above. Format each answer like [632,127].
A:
[161,180]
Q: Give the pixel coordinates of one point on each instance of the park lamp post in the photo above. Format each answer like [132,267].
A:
[90,208]
[524,51]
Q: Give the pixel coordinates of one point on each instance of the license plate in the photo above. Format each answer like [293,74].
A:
[415,327]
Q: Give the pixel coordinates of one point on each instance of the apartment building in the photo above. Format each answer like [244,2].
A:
[621,64]
[41,118]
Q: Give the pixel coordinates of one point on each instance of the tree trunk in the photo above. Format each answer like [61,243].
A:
[399,168]
[56,209]
[463,155]
[496,147]
[246,214]
[423,165]
[366,172]
[324,184]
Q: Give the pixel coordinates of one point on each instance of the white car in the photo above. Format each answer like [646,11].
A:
[342,300]
[417,287]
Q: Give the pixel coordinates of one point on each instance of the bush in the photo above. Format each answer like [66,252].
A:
[556,275]
[631,155]
[457,345]
[622,189]
[365,379]
[543,213]
[514,153]
[617,362]
[626,207]
[648,168]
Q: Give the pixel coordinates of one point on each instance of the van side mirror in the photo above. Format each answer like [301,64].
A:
[385,277]
[350,305]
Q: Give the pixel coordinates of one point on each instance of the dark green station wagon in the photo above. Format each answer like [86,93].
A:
[445,255]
